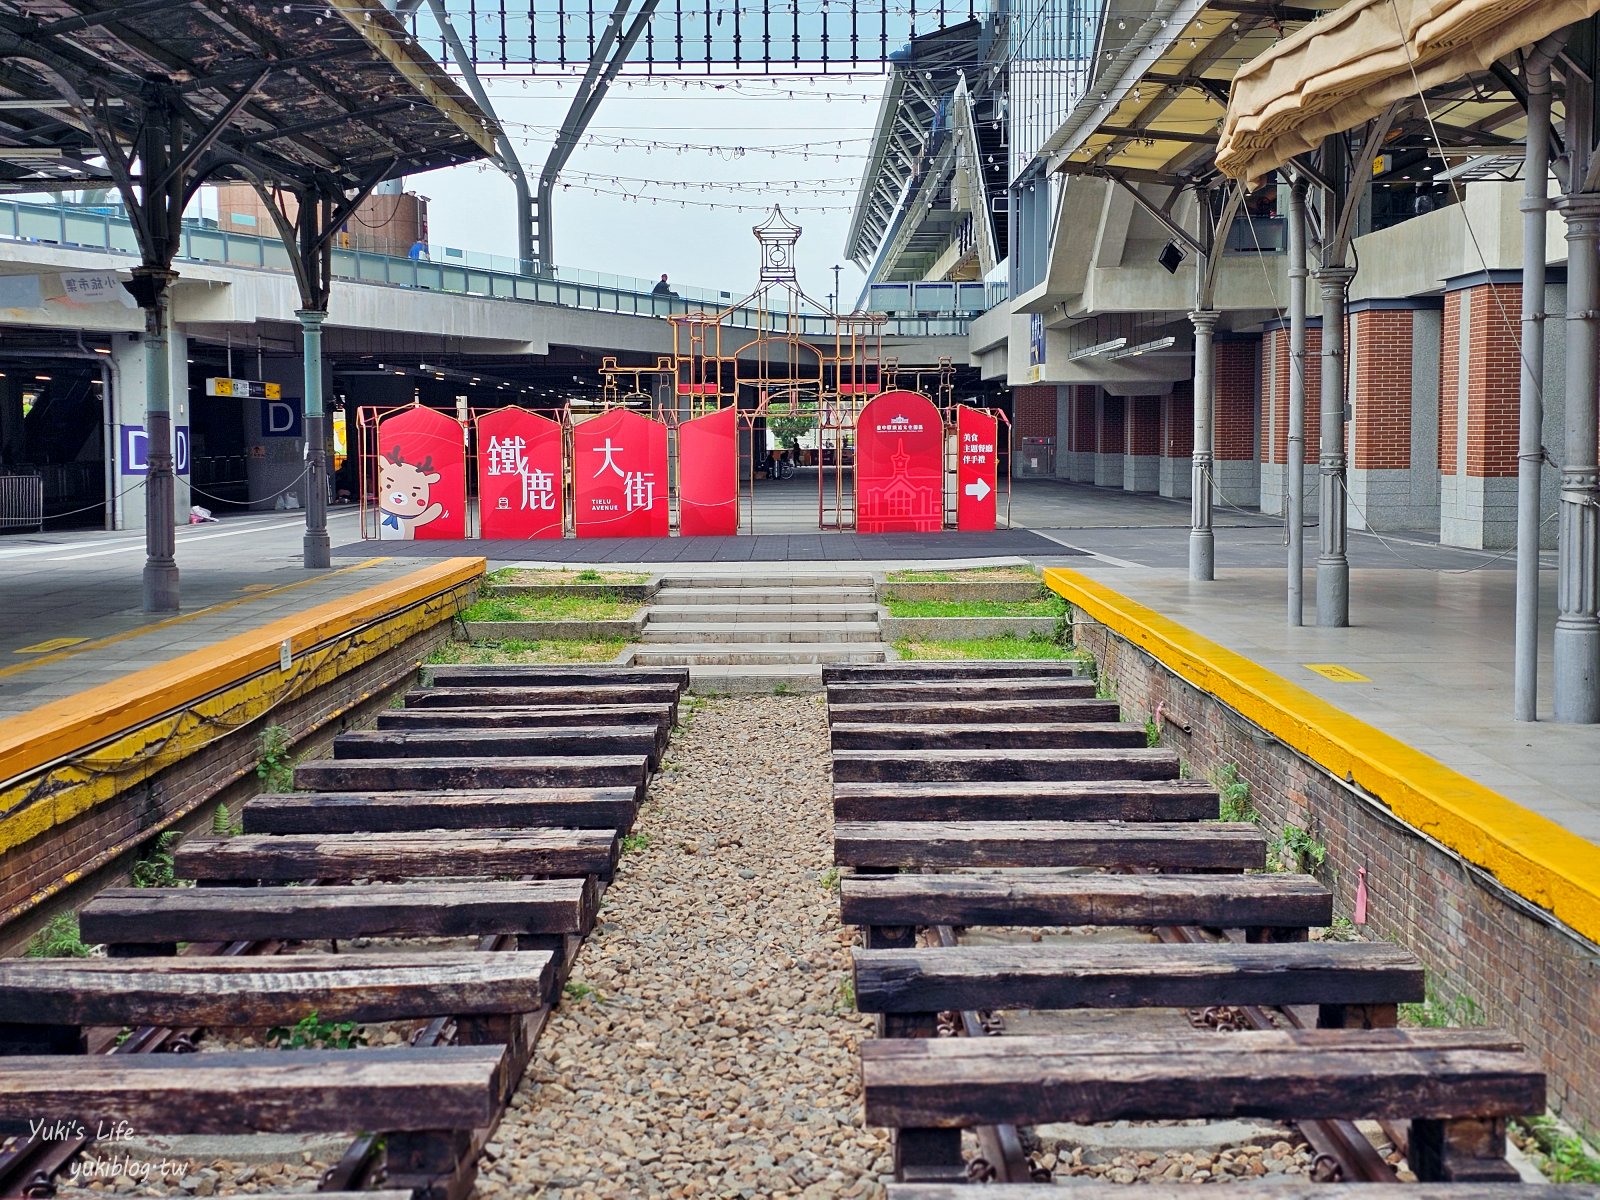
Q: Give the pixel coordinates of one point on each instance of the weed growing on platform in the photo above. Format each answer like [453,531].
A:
[1152,732]
[274,769]
[1435,1012]
[1342,930]
[635,841]
[58,939]
[1295,850]
[224,823]
[155,870]
[1560,1155]
[780,689]
[997,647]
[576,989]
[847,995]
[829,879]
[313,1033]
[543,576]
[1233,796]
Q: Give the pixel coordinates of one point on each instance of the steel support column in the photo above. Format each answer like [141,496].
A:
[1530,453]
[1577,633]
[1296,481]
[1202,542]
[1333,567]
[160,482]
[317,551]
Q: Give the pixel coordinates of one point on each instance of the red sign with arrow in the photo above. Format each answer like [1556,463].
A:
[976,435]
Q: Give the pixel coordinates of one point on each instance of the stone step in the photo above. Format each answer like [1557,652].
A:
[696,654]
[767,582]
[752,596]
[760,631]
[684,614]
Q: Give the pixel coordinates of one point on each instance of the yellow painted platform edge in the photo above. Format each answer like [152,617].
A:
[1528,853]
[62,727]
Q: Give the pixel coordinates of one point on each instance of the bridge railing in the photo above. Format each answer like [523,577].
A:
[460,272]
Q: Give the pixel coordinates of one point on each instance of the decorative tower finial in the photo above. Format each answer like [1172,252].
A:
[777,235]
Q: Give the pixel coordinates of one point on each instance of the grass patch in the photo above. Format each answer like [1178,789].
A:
[1233,796]
[995,647]
[1048,605]
[586,575]
[986,573]
[552,608]
[1437,1012]
[58,939]
[516,651]
[1559,1155]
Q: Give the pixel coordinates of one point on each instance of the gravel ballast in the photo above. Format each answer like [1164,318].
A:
[706,1046]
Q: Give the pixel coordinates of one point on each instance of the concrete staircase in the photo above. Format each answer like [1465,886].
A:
[767,625]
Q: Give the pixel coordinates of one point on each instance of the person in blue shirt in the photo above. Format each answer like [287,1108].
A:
[418,251]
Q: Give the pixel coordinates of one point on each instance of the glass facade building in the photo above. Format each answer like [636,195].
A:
[1052,45]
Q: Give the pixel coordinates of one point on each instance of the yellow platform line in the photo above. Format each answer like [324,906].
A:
[57,731]
[111,639]
[1531,855]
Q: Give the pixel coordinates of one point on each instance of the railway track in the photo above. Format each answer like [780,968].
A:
[490,807]
[963,792]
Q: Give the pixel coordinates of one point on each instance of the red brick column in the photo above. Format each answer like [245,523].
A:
[1110,444]
[1234,437]
[1273,436]
[1479,370]
[1141,464]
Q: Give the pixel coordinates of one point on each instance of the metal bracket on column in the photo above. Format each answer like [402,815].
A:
[610,54]
[505,152]
[1360,174]
[1163,218]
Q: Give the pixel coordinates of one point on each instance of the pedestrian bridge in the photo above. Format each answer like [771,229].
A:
[924,320]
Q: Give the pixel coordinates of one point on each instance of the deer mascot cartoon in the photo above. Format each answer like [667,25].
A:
[403,506]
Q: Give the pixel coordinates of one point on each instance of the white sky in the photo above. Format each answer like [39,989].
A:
[681,234]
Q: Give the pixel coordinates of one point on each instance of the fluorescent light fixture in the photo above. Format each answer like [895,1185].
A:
[1163,343]
[1104,348]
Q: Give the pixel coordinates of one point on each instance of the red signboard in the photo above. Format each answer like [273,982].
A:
[976,435]
[422,476]
[519,475]
[619,476]
[899,467]
[708,474]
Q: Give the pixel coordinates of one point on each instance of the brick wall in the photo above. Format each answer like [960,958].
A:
[1033,411]
[1275,386]
[1449,381]
[1382,390]
[1525,973]
[1112,437]
[386,224]
[141,811]
[1084,433]
[1236,379]
[1494,372]
[1143,425]
[1179,407]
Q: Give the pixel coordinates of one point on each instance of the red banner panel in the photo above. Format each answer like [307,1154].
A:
[619,476]
[422,476]
[708,474]
[519,475]
[976,435]
[899,465]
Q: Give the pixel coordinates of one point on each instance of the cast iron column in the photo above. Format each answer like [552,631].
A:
[1577,636]
[1296,470]
[1202,543]
[1333,568]
[160,485]
[317,546]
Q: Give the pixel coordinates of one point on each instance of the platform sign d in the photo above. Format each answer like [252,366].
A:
[976,436]
[619,476]
[520,476]
[281,418]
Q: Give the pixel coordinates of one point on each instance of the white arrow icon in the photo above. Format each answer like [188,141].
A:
[978,488]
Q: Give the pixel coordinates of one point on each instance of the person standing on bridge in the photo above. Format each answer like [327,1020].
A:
[418,251]
[662,288]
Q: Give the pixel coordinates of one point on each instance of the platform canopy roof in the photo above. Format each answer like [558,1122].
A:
[337,93]
[1154,108]
[1348,67]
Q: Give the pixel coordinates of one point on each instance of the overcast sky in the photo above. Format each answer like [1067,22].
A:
[692,156]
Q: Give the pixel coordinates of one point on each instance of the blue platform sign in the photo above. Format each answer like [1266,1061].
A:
[136,450]
[281,418]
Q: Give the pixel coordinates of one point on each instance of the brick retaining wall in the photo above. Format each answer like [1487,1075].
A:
[1523,969]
